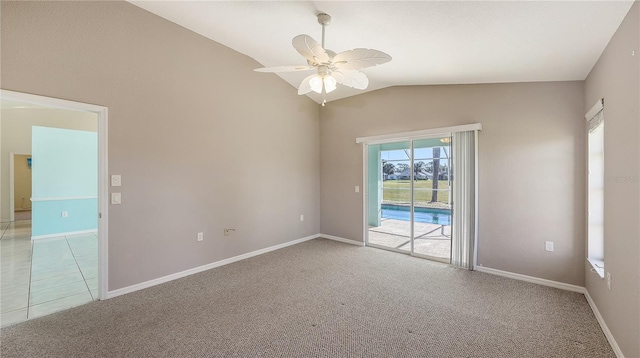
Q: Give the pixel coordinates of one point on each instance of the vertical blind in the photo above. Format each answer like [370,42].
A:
[464,200]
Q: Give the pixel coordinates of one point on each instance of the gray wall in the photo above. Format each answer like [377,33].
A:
[616,78]
[204,143]
[531,166]
[201,141]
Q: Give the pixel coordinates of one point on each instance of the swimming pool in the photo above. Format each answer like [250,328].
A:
[423,215]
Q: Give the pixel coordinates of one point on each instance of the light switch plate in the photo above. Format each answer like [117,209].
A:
[116,180]
[357,188]
[548,245]
[116,198]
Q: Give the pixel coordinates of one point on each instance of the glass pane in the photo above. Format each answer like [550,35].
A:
[432,197]
[389,195]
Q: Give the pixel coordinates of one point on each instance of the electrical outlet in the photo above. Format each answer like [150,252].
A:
[548,245]
[301,217]
[609,280]
[200,236]
[65,214]
[228,232]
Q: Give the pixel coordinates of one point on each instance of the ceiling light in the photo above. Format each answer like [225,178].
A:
[329,83]
[316,84]
[332,68]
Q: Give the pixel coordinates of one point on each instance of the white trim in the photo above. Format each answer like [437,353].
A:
[61,198]
[341,239]
[365,195]
[595,109]
[597,266]
[103,202]
[48,236]
[539,281]
[181,274]
[103,166]
[603,325]
[50,101]
[406,136]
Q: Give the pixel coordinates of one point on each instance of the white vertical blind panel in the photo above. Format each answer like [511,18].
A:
[464,172]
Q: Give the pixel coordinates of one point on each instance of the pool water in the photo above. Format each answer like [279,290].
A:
[423,215]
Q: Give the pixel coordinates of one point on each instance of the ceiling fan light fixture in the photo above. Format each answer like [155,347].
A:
[329,83]
[316,84]
[332,69]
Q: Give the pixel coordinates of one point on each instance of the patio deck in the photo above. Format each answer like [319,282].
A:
[431,239]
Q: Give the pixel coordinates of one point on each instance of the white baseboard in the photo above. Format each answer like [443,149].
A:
[539,281]
[157,281]
[48,236]
[341,239]
[603,325]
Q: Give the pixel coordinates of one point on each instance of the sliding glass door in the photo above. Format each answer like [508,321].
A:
[432,198]
[409,197]
[389,195]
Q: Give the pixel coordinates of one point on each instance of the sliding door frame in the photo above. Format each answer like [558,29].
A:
[409,137]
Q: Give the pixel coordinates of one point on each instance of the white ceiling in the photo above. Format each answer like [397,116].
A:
[431,42]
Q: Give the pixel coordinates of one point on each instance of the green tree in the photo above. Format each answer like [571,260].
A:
[388,168]
[401,167]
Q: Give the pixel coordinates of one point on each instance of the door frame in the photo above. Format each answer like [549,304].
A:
[12,194]
[103,188]
[405,137]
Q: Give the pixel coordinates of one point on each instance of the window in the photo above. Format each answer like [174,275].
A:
[595,233]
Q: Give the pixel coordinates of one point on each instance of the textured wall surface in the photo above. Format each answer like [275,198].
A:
[616,78]
[531,166]
[202,142]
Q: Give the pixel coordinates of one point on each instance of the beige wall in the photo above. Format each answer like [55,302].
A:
[531,166]
[202,142]
[16,126]
[22,183]
[615,78]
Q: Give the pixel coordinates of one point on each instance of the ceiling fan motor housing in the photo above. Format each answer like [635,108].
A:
[324,19]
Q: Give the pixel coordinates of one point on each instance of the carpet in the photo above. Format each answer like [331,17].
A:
[322,298]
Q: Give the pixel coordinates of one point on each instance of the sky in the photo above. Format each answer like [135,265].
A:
[421,154]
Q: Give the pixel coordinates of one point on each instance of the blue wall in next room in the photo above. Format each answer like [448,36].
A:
[64,179]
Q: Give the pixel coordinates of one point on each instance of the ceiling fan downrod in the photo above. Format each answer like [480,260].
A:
[324,20]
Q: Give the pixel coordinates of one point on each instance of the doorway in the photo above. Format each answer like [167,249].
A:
[409,196]
[20,186]
[39,258]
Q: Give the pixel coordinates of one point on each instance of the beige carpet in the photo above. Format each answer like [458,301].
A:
[323,299]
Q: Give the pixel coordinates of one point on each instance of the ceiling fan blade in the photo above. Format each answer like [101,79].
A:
[291,68]
[310,49]
[305,86]
[360,58]
[351,78]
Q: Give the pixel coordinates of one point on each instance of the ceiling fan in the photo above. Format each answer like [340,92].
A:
[331,68]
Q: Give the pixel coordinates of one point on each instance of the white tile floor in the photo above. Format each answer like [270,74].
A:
[44,276]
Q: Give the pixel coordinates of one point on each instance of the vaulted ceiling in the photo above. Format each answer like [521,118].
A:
[431,42]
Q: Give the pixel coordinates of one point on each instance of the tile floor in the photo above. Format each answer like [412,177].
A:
[46,275]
